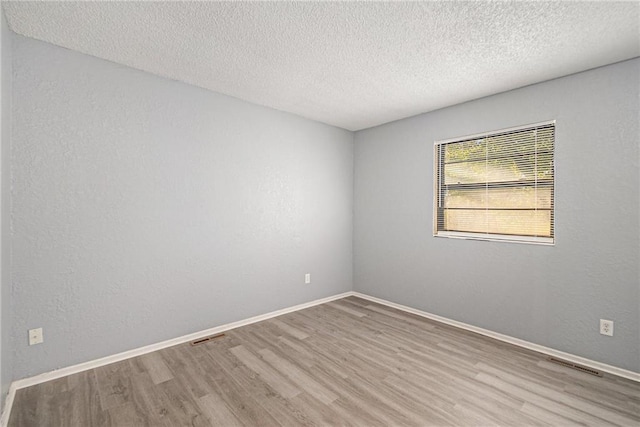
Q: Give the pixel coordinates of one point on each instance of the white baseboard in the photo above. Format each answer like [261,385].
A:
[63,372]
[59,373]
[8,404]
[634,376]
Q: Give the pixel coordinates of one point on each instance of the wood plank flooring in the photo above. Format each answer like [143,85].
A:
[349,362]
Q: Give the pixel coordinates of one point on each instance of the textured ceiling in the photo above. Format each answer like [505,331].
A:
[352,65]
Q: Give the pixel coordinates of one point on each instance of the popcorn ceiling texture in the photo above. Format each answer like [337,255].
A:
[352,65]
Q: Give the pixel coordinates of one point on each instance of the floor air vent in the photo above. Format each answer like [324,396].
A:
[576,367]
[206,339]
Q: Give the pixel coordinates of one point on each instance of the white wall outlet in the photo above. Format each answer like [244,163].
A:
[606,327]
[307,278]
[35,336]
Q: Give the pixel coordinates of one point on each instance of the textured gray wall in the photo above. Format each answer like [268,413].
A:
[6,358]
[145,209]
[549,295]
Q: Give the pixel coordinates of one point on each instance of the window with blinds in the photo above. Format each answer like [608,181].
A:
[497,185]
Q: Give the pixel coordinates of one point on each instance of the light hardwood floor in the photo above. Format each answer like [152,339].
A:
[348,362]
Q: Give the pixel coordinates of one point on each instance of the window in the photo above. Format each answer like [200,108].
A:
[497,185]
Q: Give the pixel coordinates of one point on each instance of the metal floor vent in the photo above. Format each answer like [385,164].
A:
[575,366]
[206,339]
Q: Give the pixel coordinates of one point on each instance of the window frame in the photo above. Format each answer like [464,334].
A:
[438,188]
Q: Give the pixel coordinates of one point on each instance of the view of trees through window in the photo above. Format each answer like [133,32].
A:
[497,184]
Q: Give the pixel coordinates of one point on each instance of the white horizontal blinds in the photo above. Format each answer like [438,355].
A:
[497,184]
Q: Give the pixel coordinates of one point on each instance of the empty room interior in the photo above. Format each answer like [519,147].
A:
[320,213]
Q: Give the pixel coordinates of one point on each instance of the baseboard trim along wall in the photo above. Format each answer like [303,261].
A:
[70,370]
[58,373]
[8,404]
[634,376]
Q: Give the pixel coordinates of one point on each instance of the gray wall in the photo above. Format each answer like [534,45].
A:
[6,358]
[549,295]
[145,209]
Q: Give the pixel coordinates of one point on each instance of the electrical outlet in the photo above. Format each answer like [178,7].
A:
[307,278]
[606,327]
[35,336]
